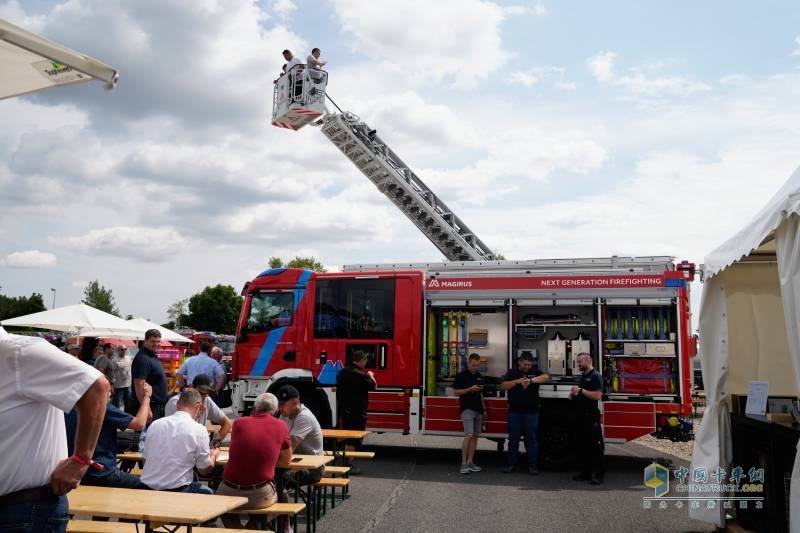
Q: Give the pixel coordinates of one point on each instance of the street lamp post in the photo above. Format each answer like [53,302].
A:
[54,298]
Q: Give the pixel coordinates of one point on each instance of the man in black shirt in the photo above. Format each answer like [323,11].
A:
[589,432]
[352,395]
[146,368]
[468,386]
[522,384]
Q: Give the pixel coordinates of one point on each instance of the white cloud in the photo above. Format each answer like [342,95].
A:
[140,243]
[638,82]
[28,259]
[796,51]
[284,8]
[536,75]
[537,10]
[526,79]
[457,40]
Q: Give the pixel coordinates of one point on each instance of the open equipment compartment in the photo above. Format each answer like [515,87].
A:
[555,332]
[640,349]
[456,331]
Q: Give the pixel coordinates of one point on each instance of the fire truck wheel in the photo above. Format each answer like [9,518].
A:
[556,441]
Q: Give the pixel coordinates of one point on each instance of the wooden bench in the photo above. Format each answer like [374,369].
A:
[331,471]
[333,483]
[276,510]
[354,454]
[89,526]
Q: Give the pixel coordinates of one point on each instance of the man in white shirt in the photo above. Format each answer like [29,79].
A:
[174,445]
[122,377]
[296,75]
[314,65]
[210,412]
[38,384]
[291,61]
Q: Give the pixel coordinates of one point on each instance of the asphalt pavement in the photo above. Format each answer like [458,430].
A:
[413,485]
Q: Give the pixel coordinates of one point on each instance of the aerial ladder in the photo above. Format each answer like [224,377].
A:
[300,99]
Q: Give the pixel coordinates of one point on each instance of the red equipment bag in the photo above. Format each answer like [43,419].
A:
[644,376]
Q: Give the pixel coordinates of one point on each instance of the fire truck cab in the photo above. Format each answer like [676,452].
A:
[417,324]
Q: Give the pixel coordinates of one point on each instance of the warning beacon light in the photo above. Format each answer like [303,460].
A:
[299,97]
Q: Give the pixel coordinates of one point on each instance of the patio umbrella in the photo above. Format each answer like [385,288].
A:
[80,319]
[30,63]
[166,334]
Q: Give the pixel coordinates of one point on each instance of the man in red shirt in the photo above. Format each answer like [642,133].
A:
[258,443]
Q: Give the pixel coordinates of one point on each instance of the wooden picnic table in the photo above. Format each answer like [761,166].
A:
[157,508]
[337,436]
[344,434]
[298,462]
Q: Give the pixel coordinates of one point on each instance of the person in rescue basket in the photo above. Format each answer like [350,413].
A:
[590,434]
[468,386]
[522,384]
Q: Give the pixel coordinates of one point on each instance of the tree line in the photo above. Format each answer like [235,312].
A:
[214,308]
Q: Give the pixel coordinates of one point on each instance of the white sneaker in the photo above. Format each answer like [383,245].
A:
[465,469]
[474,468]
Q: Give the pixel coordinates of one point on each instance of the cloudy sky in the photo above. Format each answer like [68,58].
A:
[554,129]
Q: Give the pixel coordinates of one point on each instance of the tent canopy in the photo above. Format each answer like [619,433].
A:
[166,334]
[758,237]
[749,319]
[79,319]
[30,63]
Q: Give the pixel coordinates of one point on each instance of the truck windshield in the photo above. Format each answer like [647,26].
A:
[270,310]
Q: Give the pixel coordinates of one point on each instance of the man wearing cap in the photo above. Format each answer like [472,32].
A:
[210,412]
[304,429]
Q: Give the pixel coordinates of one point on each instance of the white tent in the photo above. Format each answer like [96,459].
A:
[166,334]
[749,329]
[30,63]
[79,319]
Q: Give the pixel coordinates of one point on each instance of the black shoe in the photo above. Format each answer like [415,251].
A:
[533,470]
[596,480]
[508,469]
[581,477]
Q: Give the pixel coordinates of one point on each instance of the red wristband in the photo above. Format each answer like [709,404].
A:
[80,460]
[87,462]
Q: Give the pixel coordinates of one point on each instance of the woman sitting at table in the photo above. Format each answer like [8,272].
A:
[258,443]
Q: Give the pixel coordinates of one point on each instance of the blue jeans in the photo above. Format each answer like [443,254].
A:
[121,397]
[527,425]
[196,488]
[35,517]
[116,479]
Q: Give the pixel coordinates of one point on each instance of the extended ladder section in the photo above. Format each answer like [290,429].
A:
[392,177]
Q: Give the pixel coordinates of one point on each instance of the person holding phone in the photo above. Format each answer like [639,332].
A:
[468,386]
[522,384]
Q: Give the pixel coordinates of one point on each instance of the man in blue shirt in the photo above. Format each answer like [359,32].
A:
[105,453]
[202,364]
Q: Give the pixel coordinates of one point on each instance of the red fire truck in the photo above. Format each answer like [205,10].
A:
[417,324]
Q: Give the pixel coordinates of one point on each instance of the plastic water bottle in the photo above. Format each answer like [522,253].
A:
[141,440]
